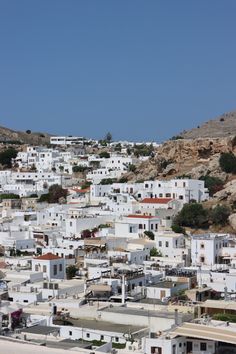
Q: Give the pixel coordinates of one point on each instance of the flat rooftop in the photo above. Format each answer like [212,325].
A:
[40,330]
[146,313]
[10,346]
[102,325]
[165,284]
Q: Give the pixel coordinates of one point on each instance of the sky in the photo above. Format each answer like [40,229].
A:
[141,69]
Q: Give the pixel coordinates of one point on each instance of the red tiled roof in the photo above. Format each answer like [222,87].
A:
[156,200]
[141,216]
[48,257]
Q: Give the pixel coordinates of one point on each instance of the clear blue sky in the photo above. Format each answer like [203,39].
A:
[143,70]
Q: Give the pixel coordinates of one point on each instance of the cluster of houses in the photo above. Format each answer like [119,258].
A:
[103,271]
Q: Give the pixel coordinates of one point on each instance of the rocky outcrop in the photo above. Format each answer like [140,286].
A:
[196,158]
[232,221]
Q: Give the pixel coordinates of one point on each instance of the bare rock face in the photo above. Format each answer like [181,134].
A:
[232,221]
[228,193]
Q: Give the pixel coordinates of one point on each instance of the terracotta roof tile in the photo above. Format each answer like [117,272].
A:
[141,216]
[156,200]
[48,257]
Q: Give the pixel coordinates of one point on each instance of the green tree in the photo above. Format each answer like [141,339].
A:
[227,162]
[154,252]
[6,157]
[9,196]
[214,184]
[192,215]
[131,168]
[71,271]
[86,184]
[150,234]
[55,192]
[104,154]
[219,215]
[108,181]
[108,137]
[79,168]
[178,229]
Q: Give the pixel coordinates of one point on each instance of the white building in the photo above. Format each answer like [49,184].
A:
[206,249]
[52,266]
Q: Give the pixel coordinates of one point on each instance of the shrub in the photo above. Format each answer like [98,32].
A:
[104,154]
[131,168]
[123,180]
[225,317]
[176,137]
[150,234]
[154,252]
[6,157]
[214,184]
[79,168]
[9,196]
[178,229]
[227,162]
[192,215]
[55,192]
[86,184]
[71,271]
[108,181]
[219,215]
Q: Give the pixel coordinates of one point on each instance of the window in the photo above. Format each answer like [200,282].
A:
[102,337]
[202,246]
[60,267]
[168,195]
[167,244]
[44,269]
[88,335]
[70,223]
[160,243]
[70,333]
[181,197]
[160,195]
[203,346]
[140,226]
[117,339]
[55,269]
[36,268]
[202,259]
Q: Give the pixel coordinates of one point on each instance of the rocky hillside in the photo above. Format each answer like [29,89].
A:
[196,158]
[222,126]
[8,135]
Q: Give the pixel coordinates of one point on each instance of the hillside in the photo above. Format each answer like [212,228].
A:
[32,138]
[222,126]
[198,157]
